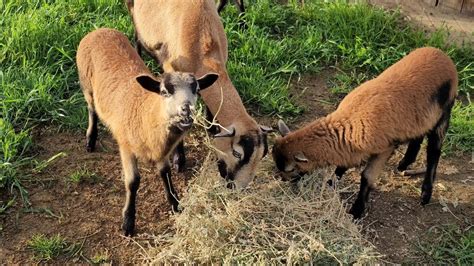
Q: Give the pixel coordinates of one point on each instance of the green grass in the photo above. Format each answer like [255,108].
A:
[448,244]
[38,77]
[83,175]
[47,248]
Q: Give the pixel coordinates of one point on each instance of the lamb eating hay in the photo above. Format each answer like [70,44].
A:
[189,36]
[147,116]
[410,100]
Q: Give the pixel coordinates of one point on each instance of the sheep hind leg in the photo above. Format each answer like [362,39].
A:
[132,183]
[410,154]
[371,171]
[433,152]
[92,131]
[179,157]
[165,174]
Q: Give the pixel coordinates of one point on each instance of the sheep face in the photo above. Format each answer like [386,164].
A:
[239,155]
[179,91]
[293,164]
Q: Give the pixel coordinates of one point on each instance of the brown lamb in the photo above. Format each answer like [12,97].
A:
[146,115]
[409,100]
[189,36]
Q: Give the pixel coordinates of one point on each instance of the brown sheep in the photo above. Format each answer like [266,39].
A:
[189,36]
[147,116]
[408,101]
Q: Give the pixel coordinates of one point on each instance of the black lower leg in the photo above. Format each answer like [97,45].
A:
[240,5]
[358,207]
[128,225]
[411,153]
[179,157]
[91,137]
[165,173]
[433,152]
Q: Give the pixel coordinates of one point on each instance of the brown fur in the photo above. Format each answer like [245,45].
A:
[141,119]
[191,38]
[409,100]
[108,65]
[395,107]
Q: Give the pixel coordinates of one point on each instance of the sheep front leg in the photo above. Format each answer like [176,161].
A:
[132,182]
[179,157]
[371,171]
[165,174]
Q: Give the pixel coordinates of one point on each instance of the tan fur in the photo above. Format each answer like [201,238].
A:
[393,108]
[190,37]
[108,65]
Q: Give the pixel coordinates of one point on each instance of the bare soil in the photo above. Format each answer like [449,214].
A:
[89,213]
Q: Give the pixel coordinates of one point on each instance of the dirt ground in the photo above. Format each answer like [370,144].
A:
[432,14]
[89,213]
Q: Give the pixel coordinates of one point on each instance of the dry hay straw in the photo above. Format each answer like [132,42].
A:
[269,222]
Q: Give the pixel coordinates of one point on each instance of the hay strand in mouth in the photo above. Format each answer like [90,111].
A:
[269,222]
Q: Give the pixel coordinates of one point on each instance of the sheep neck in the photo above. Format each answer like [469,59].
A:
[222,98]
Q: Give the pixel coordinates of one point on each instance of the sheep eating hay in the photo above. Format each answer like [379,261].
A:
[267,223]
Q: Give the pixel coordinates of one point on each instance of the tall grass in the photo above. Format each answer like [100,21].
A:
[38,40]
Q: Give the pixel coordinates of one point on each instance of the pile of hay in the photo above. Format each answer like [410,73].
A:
[270,222]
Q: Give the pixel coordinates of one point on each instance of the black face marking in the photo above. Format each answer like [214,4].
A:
[265,145]
[279,159]
[168,85]
[194,86]
[442,95]
[222,168]
[247,143]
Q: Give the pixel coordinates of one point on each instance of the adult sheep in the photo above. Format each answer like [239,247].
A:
[408,101]
[189,36]
[147,116]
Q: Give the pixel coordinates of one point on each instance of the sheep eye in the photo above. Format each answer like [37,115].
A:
[236,154]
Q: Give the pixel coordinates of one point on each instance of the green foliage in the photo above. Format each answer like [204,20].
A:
[449,244]
[83,175]
[47,248]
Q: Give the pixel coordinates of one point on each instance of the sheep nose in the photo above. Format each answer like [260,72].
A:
[185,110]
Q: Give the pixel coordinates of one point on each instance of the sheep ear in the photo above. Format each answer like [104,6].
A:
[299,157]
[283,128]
[149,83]
[230,132]
[207,80]
[266,129]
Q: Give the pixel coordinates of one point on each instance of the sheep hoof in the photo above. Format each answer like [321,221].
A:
[90,148]
[426,196]
[128,227]
[357,210]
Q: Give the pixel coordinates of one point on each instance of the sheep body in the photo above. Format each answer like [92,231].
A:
[409,100]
